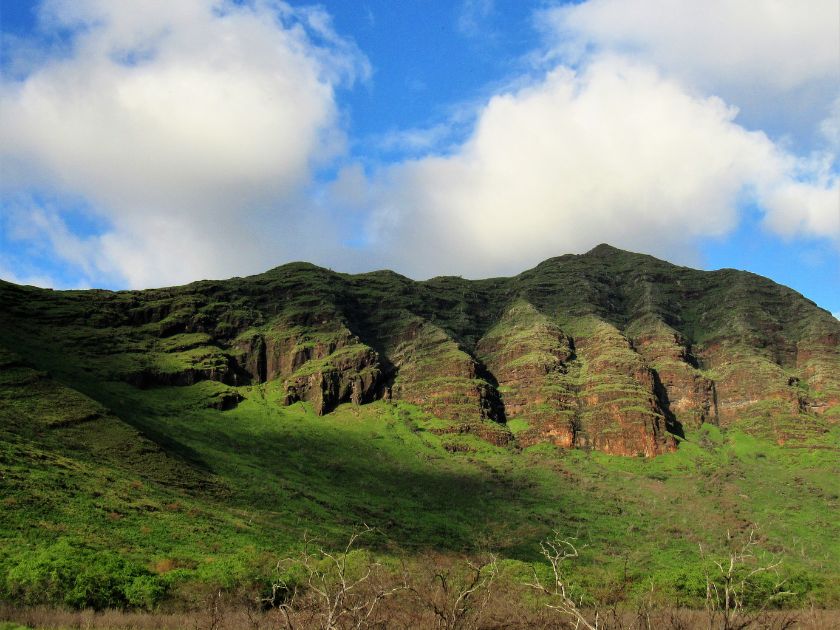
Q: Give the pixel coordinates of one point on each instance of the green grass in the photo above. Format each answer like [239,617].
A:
[249,483]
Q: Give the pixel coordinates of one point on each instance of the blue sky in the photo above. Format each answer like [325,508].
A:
[153,143]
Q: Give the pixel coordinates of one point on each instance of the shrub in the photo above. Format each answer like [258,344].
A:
[80,578]
[144,591]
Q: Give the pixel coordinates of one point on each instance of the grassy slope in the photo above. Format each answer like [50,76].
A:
[264,475]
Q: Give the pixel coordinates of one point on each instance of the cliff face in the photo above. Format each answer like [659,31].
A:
[622,413]
[609,350]
[323,364]
[683,389]
[531,359]
[433,372]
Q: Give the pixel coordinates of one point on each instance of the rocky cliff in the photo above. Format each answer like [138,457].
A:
[608,350]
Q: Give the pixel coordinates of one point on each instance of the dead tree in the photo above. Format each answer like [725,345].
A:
[331,595]
[729,583]
[558,551]
[456,598]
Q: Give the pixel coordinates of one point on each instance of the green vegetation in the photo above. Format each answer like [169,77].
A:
[123,483]
[249,483]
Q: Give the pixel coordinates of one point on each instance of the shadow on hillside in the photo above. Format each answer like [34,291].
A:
[327,480]
[672,425]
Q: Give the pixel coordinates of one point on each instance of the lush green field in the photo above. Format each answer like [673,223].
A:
[94,513]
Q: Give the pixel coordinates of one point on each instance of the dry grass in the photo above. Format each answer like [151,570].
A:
[400,613]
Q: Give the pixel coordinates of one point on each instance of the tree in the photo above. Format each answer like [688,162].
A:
[458,597]
[558,551]
[332,594]
[731,584]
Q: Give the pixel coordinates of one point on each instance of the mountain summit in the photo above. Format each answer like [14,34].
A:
[608,350]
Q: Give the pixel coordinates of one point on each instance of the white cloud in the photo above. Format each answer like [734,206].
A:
[776,59]
[643,141]
[719,41]
[193,127]
[46,240]
[801,209]
[612,153]
[40,225]
[830,127]
[417,140]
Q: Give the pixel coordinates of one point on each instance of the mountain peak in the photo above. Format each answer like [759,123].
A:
[604,249]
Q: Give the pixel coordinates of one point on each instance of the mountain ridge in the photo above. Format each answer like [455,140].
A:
[601,250]
[611,350]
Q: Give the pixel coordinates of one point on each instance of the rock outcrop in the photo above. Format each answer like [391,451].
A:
[687,396]
[325,365]
[434,373]
[620,412]
[530,358]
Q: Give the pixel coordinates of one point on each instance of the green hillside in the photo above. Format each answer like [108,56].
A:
[159,445]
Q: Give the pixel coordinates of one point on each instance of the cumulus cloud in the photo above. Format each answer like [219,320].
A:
[655,125]
[776,59]
[194,130]
[193,127]
[714,42]
[614,152]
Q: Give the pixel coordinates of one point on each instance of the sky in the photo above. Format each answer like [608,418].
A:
[147,143]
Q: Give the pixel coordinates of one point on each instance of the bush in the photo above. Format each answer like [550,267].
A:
[144,591]
[80,578]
